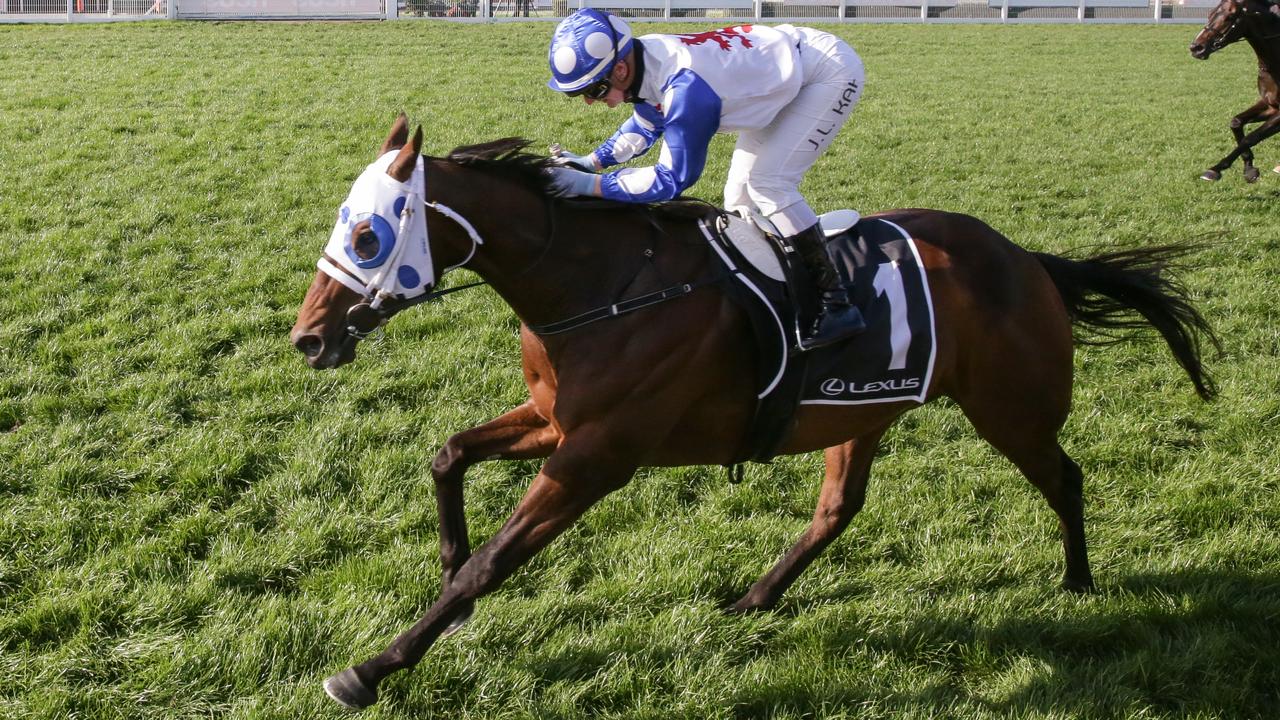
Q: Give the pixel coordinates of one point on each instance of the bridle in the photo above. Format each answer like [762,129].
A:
[1219,38]
[379,304]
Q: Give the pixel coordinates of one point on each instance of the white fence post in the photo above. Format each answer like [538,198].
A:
[1080,12]
[1004,11]
[392,9]
[1158,14]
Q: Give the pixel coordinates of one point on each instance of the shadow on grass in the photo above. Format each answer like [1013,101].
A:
[1204,642]
[1196,642]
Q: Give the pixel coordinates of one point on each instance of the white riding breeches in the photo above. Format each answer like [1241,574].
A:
[769,163]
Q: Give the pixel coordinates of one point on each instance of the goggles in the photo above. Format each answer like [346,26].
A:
[595,91]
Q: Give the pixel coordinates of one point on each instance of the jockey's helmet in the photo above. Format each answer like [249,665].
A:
[585,47]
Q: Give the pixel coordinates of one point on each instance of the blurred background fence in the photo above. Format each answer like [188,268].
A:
[702,11]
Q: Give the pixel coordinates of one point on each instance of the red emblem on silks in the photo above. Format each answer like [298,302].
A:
[722,37]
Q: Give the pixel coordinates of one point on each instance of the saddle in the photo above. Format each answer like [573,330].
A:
[892,361]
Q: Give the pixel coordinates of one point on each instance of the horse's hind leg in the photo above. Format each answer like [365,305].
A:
[520,434]
[1034,448]
[1253,114]
[844,490]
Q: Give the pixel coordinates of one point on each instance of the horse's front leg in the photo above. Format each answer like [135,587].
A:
[521,434]
[577,475]
[1243,147]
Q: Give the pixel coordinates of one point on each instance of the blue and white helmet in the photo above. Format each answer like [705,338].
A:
[586,46]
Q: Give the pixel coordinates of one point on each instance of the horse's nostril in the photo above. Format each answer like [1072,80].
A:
[310,345]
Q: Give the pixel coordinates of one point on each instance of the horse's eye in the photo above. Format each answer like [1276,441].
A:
[366,245]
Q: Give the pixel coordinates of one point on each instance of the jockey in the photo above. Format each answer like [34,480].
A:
[785,90]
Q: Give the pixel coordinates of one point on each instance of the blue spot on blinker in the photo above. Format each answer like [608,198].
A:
[399,206]
[409,278]
[344,214]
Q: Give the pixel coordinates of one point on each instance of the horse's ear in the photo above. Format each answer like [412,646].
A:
[398,136]
[403,166]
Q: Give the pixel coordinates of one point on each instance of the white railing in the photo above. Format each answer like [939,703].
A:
[703,11]
[992,11]
[80,10]
[276,9]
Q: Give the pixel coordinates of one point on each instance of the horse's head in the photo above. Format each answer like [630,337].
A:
[1230,21]
[377,260]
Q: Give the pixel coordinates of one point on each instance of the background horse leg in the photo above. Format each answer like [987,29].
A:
[520,434]
[844,490]
[575,477]
[1268,128]
[1251,114]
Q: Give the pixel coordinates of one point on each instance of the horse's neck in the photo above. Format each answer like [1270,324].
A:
[1264,38]
[551,262]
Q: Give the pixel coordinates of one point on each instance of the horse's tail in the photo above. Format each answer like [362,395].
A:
[1116,294]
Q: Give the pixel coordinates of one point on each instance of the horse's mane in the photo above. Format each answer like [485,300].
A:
[507,157]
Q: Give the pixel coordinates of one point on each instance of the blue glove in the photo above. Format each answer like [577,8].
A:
[568,182]
[565,158]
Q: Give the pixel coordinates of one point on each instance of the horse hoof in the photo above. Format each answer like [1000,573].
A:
[1079,587]
[1251,175]
[348,690]
[1211,175]
[747,605]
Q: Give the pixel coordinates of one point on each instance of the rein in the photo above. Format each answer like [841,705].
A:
[622,307]
[613,310]
[357,314]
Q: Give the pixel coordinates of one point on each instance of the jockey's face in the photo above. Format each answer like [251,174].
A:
[619,79]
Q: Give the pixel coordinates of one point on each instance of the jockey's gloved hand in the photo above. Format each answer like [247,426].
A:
[570,182]
[565,158]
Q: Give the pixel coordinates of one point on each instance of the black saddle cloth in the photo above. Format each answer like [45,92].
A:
[892,361]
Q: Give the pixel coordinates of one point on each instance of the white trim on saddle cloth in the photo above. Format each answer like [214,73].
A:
[710,235]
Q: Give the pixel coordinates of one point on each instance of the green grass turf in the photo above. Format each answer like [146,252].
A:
[194,524]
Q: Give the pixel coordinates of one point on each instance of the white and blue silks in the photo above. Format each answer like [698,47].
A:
[695,85]
[785,91]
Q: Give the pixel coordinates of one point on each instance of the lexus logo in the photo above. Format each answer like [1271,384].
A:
[832,386]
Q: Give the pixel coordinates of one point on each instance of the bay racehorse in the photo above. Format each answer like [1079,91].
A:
[674,383]
[1256,22]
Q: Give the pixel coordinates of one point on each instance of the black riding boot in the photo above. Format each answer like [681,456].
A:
[838,319]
